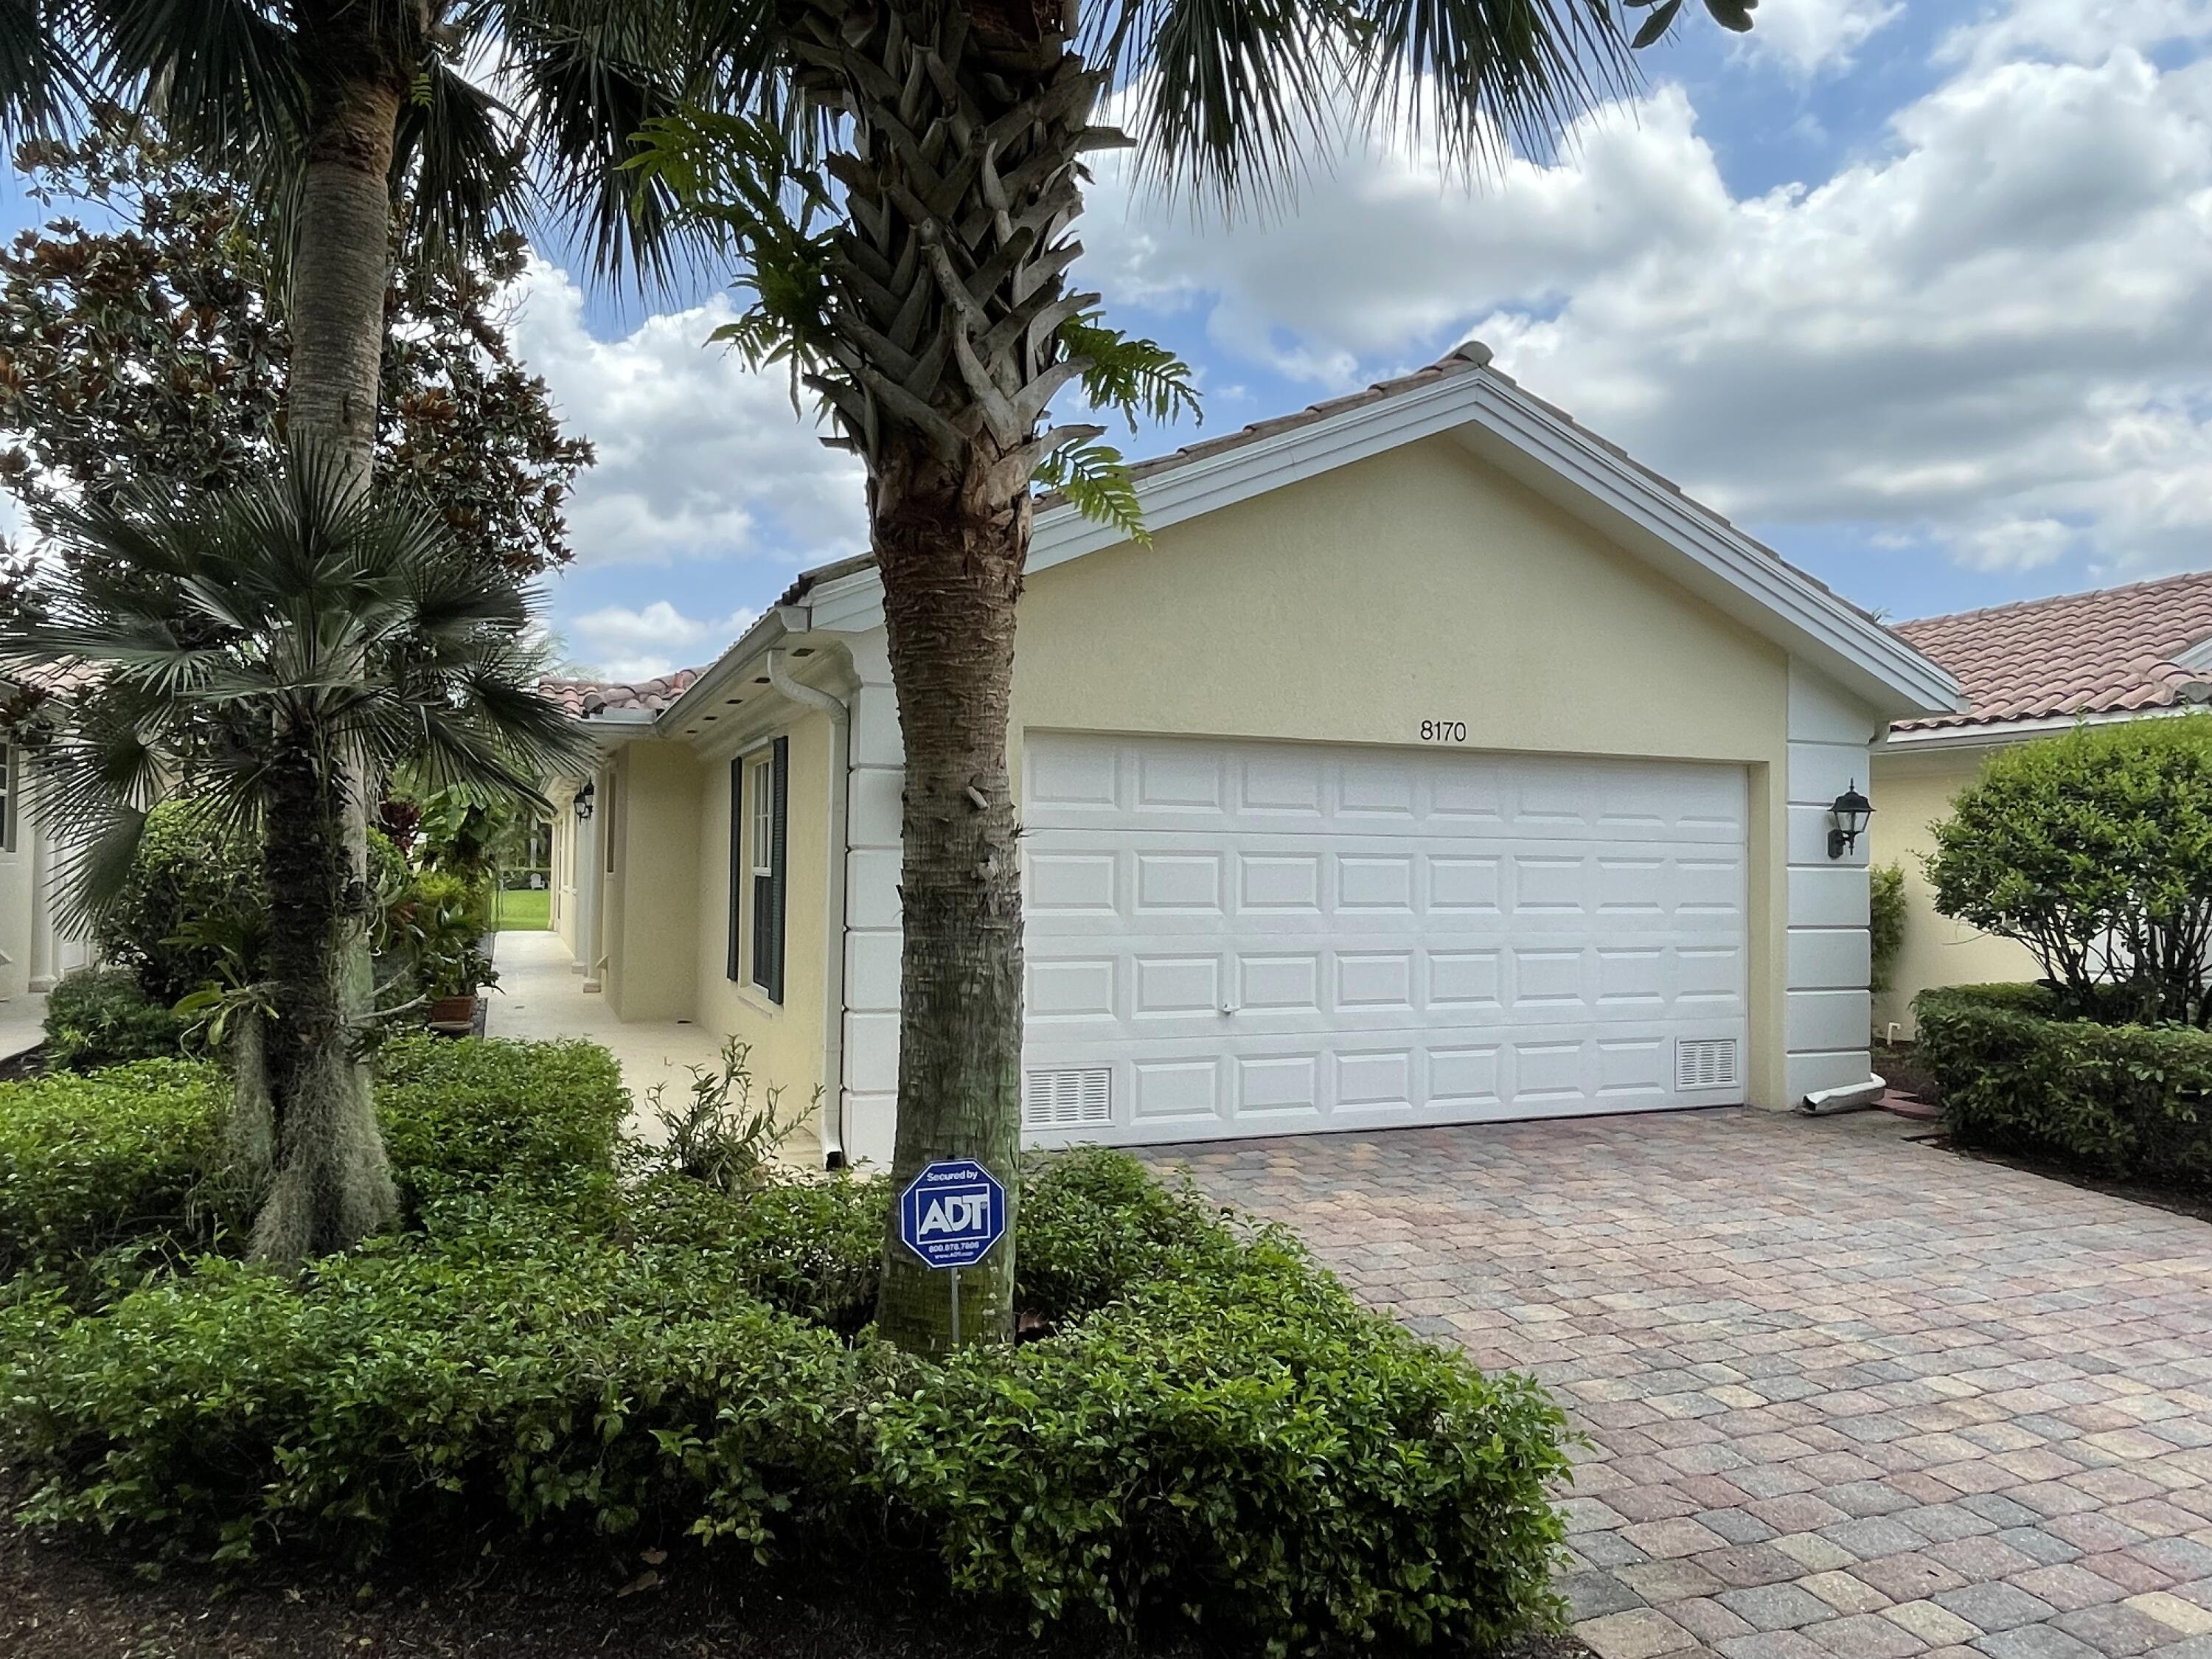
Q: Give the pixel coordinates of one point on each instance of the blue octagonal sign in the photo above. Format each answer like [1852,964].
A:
[953,1214]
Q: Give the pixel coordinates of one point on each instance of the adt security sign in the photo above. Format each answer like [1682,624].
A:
[953,1214]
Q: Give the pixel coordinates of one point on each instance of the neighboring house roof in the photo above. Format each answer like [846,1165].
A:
[587,699]
[2115,651]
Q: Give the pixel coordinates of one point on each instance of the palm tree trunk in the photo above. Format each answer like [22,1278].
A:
[951,560]
[340,271]
[330,1184]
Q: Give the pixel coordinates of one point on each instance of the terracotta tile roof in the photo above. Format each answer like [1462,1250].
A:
[2111,651]
[585,698]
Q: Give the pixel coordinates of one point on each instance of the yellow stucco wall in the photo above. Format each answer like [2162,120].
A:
[786,1039]
[652,920]
[1420,583]
[1911,793]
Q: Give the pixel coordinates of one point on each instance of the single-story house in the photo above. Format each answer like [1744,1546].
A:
[34,950]
[1437,763]
[2027,669]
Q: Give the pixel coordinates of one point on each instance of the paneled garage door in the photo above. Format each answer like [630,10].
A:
[1247,939]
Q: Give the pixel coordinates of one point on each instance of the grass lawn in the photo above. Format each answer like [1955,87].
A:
[523,911]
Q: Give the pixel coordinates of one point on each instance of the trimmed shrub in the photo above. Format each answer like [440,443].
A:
[188,870]
[90,1162]
[500,1363]
[99,1017]
[1885,919]
[469,1113]
[2095,851]
[1238,1442]
[2128,1101]
[1226,1437]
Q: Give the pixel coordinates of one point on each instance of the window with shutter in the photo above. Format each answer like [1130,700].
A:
[770,784]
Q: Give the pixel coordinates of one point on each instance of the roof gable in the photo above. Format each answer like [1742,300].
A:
[1530,439]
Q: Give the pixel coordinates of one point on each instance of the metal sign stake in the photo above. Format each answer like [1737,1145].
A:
[955,1277]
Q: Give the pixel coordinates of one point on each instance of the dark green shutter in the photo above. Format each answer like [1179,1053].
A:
[779,817]
[739,873]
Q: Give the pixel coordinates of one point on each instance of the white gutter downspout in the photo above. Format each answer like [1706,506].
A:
[1851,1097]
[833,909]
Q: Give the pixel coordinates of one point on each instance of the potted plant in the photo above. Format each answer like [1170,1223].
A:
[451,964]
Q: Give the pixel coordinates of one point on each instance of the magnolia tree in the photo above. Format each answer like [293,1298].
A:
[898,182]
[2095,851]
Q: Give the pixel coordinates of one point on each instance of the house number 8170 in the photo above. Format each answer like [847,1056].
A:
[1443,731]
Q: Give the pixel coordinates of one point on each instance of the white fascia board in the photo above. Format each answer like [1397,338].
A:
[1998,734]
[1568,465]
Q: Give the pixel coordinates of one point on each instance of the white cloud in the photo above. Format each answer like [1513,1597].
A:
[1814,36]
[1995,334]
[699,457]
[621,643]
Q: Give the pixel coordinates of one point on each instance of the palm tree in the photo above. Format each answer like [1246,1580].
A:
[259,650]
[914,278]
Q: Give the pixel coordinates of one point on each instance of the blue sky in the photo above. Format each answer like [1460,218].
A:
[1922,295]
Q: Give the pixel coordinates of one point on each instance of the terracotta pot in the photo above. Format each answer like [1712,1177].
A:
[453,1010]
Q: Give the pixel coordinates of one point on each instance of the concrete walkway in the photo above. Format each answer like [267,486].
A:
[1848,1397]
[22,1024]
[541,996]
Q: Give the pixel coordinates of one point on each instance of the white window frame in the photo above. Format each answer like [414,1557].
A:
[760,771]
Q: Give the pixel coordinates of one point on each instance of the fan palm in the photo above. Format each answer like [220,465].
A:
[259,650]
[898,182]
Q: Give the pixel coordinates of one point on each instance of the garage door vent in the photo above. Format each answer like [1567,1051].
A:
[1705,1063]
[1068,1100]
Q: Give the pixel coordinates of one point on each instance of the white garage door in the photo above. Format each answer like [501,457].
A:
[1247,939]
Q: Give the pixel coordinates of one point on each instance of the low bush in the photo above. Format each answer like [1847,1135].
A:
[192,875]
[1216,1430]
[498,1363]
[1238,1442]
[99,1017]
[90,1162]
[470,1113]
[2128,1100]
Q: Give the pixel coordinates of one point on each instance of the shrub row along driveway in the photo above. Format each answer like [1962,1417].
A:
[1848,1397]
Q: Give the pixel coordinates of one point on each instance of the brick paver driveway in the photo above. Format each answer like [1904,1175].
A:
[1848,1395]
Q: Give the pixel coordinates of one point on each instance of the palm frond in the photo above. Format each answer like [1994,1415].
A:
[457,162]
[1095,480]
[225,76]
[1140,378]
[42,79]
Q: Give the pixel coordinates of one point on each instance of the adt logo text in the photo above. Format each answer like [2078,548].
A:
[953,1214]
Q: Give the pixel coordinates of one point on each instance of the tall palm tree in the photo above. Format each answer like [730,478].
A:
[915,279]
[259,650]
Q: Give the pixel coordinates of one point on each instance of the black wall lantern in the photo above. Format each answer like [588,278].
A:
[584,801]
[1847,820]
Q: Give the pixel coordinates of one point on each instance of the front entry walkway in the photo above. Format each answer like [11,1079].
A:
[1848,1397]
[542,997]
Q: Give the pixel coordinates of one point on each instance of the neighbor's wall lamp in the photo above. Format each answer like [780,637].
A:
[1847,819]
[584,801]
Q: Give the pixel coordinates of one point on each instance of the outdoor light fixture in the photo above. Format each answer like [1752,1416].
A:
[584,801]
[1848,819]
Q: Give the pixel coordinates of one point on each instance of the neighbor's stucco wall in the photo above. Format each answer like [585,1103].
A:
[1911,793]
[785,1039]
[653,919]
[1419,583]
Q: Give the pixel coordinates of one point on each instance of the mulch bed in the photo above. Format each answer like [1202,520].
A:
[2157,1198]
[66,1600]
[31,1063]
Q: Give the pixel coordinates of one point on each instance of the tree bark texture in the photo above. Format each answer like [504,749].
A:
[330,1183]
[961,169]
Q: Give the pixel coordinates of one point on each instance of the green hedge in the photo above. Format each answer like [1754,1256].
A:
[2127,1101]
[1214,1430]
[98,1017]
[467,1112]
[90,1162]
